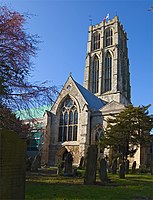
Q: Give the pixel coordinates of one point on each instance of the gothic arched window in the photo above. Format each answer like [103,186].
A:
[95,75]
[108,37]
[98,134]
[95,41]
[107,72]
[68,121]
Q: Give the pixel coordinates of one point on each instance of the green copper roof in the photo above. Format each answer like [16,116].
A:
[32,113]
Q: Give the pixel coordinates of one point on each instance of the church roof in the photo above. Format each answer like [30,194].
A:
[94,102]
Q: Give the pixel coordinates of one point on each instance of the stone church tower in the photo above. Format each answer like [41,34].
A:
[107,65]
[79,115]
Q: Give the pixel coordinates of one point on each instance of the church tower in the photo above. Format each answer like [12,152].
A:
[107,65]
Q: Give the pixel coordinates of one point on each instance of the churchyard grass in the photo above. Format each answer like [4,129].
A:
[134,187]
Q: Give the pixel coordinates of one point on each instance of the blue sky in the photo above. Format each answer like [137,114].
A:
[63,27]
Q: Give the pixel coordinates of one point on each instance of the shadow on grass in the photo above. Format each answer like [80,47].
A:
[55,187]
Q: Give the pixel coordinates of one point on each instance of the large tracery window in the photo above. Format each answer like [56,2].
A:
[95,41]
[107,72]
[109,37]
[95,75]
[68,121]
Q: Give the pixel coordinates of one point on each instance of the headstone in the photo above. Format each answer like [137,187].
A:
[91,165]
[36,163]
[68,165]
[134,167]
[114,166]
[122,171]
[12,165]
[103,170]
[127,166]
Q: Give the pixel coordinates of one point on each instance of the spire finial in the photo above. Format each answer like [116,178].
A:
[70,74]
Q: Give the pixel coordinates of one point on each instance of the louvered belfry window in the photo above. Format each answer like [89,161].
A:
[109,37]
[95,41]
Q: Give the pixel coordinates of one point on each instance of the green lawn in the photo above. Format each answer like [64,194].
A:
[134,187]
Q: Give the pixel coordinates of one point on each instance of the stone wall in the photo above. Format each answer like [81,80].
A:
[12,165]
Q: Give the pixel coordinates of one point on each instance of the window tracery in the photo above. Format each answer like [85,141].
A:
[95,41]
[108,37]
[68,121]
[108,72]
[99,134]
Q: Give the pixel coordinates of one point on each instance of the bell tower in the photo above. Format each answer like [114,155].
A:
[107,66]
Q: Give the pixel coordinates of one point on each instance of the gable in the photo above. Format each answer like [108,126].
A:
[79,94]
[112,107]
[69,89]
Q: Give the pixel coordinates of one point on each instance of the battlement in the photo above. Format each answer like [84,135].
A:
[107,23]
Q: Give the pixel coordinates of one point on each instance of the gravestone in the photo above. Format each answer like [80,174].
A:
[114,166]
[36,163]
[103,170]
[122,171]
[91,165]
[68,165]
[127,166]
[12,165]
[134,167]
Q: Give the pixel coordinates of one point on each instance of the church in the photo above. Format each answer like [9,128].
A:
[78,117]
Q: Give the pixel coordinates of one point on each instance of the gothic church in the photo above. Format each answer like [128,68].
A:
[78,117]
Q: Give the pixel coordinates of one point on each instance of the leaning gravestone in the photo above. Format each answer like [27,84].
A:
[114,166]
[91,165]
[68,165]
[12,165]
[122,171]
[103,170]
[134,167]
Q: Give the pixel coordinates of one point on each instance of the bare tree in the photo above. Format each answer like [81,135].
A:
[16,49]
